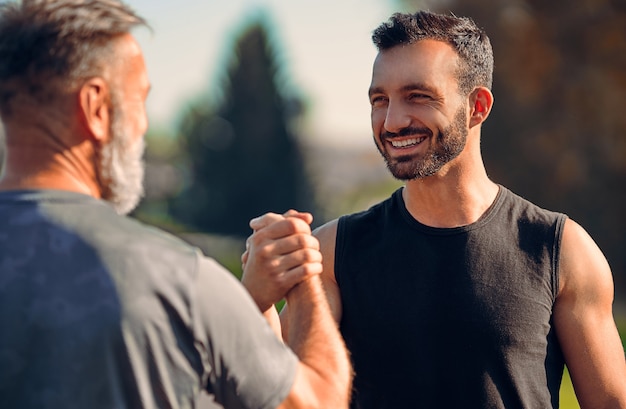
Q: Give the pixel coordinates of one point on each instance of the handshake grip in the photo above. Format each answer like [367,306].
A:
[280,253]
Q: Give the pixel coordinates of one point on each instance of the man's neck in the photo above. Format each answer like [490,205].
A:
[37,159]
[46,180]
[450,198]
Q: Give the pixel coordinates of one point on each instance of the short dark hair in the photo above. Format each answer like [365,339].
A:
[48,44]
[468,40]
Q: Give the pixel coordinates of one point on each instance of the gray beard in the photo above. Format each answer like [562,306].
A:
[121,169]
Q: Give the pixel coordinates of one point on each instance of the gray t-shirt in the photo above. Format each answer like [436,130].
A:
[101,311]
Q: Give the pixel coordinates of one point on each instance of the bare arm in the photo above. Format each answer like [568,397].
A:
[324,374]
[283,260]
[584,322]
[326,235]
[283,253]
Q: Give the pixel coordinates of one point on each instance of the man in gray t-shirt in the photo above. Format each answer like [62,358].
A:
[87,294]
[98,310]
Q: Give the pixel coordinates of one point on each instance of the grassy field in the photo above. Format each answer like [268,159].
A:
[568,398]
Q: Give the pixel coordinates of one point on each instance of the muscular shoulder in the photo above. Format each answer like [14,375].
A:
[583,269]
[584,321]
[327,235]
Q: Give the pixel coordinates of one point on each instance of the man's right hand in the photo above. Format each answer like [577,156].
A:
[280,253]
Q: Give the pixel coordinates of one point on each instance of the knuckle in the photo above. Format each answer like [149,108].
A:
[313,256]
[310,269]
[298,225]
[270,216]
[274,264]
[313,242]
[302,241]
[291,226]
[264,252]
[255,240]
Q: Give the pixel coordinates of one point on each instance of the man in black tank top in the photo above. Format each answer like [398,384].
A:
[455,292]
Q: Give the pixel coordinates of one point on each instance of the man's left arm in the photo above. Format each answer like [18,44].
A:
[583,316]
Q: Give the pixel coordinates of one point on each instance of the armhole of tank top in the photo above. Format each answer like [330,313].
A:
[339,250]
[556,254]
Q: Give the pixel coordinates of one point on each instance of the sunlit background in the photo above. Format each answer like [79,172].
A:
[324,47]
[262,105]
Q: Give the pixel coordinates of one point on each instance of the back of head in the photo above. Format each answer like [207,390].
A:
[468,40]
[49,47]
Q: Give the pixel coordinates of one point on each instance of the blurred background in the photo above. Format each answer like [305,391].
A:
[262,105]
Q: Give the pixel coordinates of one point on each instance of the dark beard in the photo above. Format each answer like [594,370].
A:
[449,143]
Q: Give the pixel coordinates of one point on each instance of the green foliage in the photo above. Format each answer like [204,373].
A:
[621,327]
[244,158]
[567,396]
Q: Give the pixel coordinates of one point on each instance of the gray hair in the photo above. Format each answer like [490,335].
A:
[52,45]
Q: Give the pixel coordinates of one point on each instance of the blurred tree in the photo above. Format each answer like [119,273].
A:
[243,151]
[557,134]
[163,179]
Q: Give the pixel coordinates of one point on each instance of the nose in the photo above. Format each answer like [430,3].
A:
[396,118]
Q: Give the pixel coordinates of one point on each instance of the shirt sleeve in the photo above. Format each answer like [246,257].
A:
[245,364]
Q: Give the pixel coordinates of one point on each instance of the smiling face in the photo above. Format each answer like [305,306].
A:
[419,119]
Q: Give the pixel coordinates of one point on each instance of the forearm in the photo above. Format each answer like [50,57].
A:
[271,315]
[313,335]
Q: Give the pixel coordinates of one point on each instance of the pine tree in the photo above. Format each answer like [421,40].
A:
[244,154]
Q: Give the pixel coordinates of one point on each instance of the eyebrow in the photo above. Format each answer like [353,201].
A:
[409,87]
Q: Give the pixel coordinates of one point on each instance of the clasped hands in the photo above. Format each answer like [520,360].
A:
[280,253]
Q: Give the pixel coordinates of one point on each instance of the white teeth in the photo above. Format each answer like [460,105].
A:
[406,142]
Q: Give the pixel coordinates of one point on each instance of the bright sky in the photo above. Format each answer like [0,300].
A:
[325,43]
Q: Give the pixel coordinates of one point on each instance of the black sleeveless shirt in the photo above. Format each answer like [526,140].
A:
[451,317]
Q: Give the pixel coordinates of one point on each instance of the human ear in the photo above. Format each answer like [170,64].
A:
[481,101]
[94,103]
